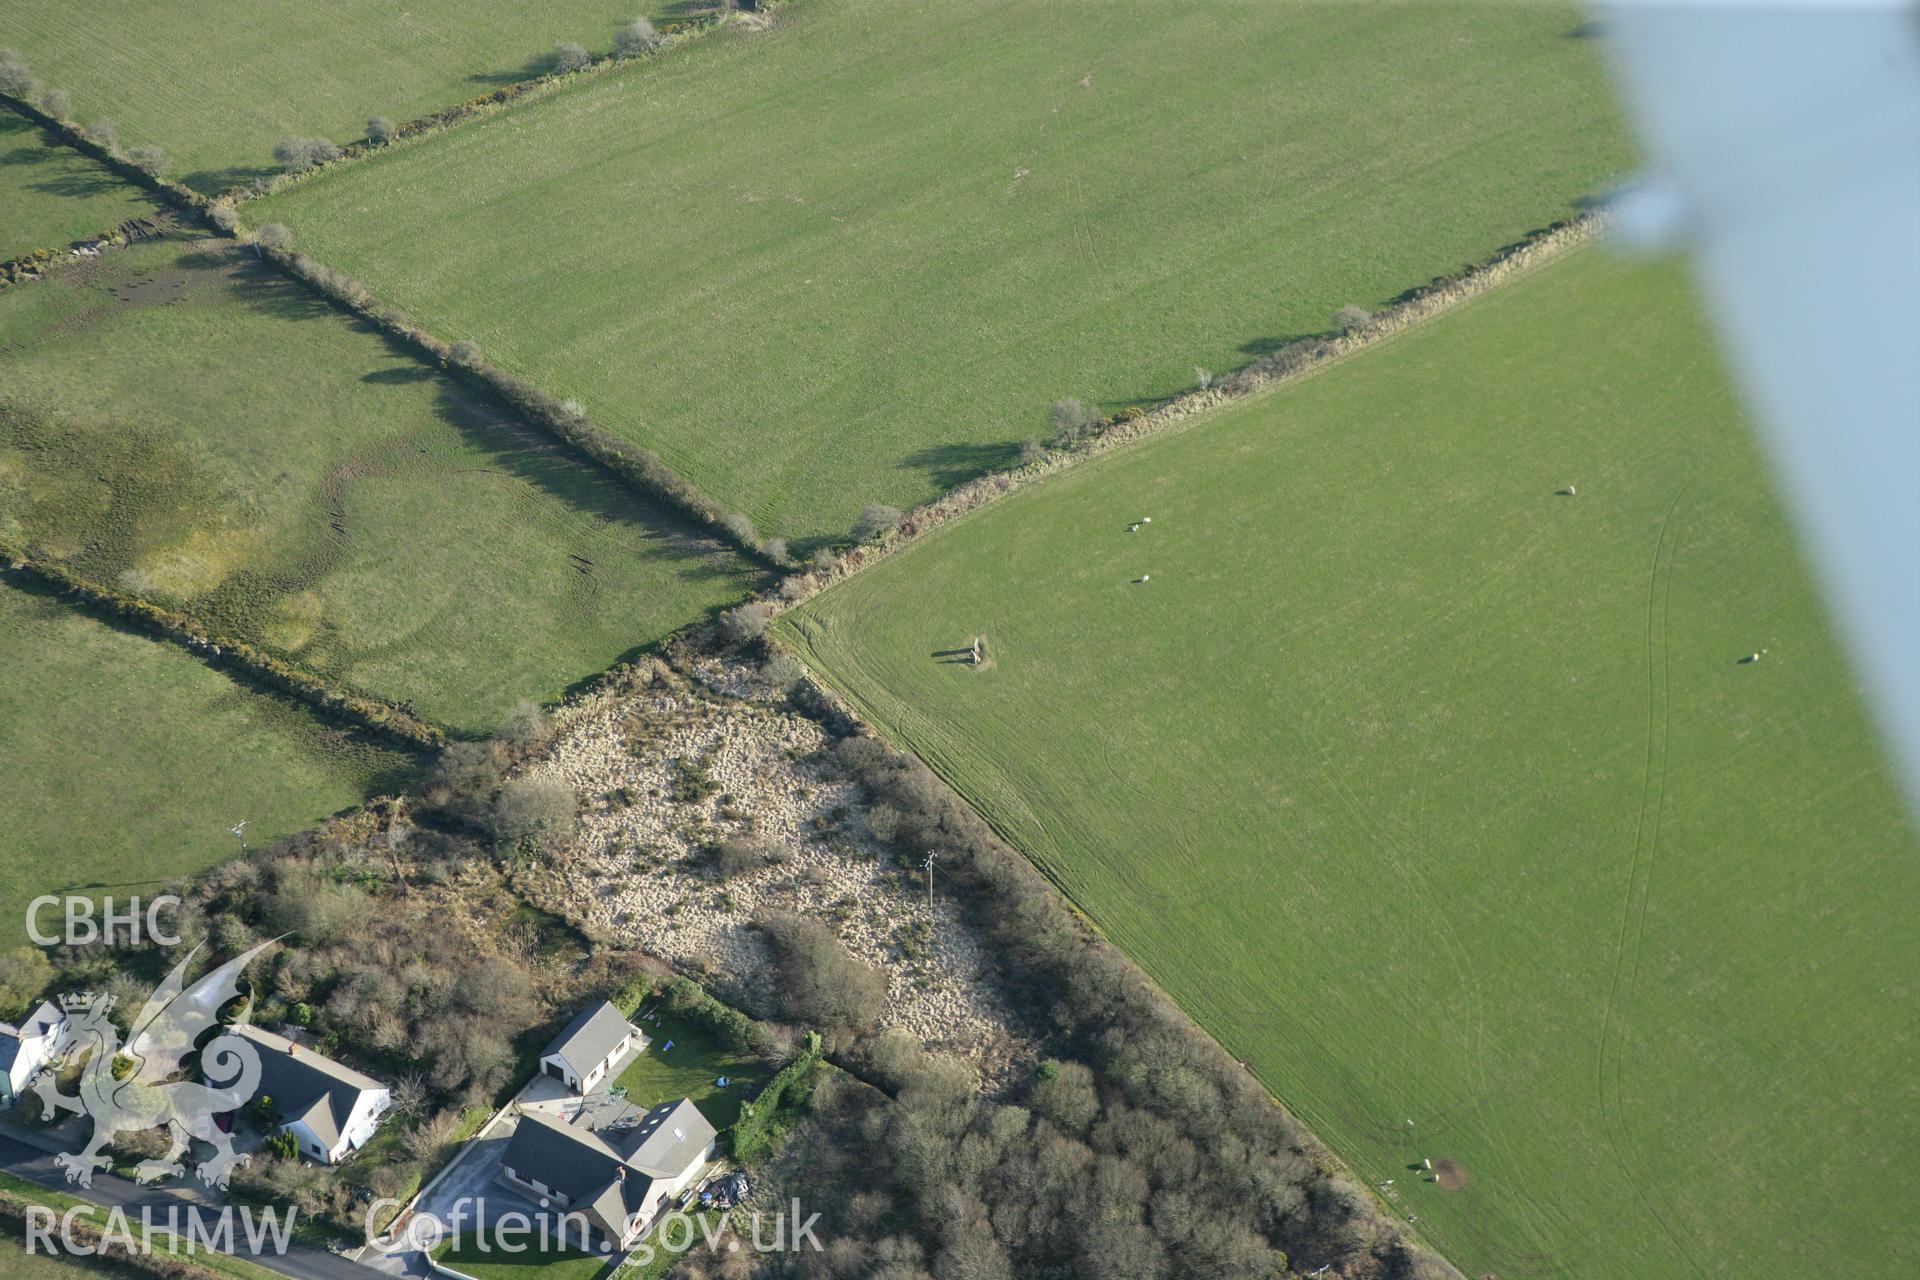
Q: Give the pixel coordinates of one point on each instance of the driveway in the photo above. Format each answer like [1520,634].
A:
[473,1177]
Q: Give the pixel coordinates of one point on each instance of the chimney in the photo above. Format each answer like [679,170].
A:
[293,1049]
[623,1173]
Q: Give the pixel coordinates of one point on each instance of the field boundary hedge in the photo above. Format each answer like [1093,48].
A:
[373,714]
[638,468]
[1052,958]
[1298,359]
[166,1266]
[751,1136]
[34,264]
[75,135]
[672,36]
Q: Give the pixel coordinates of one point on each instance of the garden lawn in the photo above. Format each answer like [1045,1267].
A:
[541,1260]
[219,85]
[855,258]
[127,760]
[51,195]
[180,422]
[1446,801]
[689,1069]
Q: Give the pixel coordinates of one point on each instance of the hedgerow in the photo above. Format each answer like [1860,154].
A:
[383,718]
[640,468]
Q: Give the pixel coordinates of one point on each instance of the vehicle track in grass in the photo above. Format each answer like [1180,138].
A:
[1640,868]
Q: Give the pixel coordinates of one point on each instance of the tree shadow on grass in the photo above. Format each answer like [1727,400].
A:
[211,182]
[398,375]
[530,455]
[948,465]
[79,186]
[259,286]
[538,65]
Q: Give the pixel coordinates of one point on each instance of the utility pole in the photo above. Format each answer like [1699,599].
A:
[928,864]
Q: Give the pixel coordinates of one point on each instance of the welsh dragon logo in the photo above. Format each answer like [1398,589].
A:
[133,1088]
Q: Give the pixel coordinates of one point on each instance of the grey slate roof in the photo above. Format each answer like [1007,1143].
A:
[668,1139]
[587,1169]
[307,1086]
[43,1019]
[570,1160]
[590,1037]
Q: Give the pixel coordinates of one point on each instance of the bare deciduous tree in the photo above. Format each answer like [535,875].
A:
[381,130]
[1070,419]
[636,38]
[568,56]
[877,521]
[820,983]
[541,810]
[747,621]
[16,78]
[1350,317]
[527,725]
[297,155]
[150,159]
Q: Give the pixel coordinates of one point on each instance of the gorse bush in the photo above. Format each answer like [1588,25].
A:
[738,855]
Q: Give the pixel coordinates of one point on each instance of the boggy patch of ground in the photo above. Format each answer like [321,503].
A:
[666,770]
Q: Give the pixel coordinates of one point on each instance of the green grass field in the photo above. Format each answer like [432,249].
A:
[541,1259]
[219,86]
[127,759]
[855,259]
[1446,801]
[50,194]
[18,1264]
[181,422]
[689,1069]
